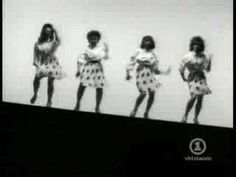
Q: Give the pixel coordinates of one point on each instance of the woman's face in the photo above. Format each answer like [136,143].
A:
[148,44]
[48,31]
[196,46]
[93,40]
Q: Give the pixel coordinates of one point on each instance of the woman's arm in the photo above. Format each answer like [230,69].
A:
[55,36]
[80,62]
[182,74]
[56,42]
[131,64]
[35,56]
[182,68]
[129,67]
[208,67]
[156,68]
[155,64]
[106,50]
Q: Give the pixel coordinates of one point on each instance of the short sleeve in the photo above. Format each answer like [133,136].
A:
[36,53]
[207,62]
[100,53]
[81,58]
[106,51]
[135,53]
[183,62]
[132,61]
[35,48]
[155,59]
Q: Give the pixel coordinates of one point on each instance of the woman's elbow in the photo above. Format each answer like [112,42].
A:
[181,70]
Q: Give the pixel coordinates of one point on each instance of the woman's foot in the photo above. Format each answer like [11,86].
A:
[184,119]
[33,99]
[49,104]
[145,116]
[97,110]
[195,121]
[77,108]
[133,113]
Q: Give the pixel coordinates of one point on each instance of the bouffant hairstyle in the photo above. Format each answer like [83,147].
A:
[93,33]
[43,36]
[150,39]
[197,40]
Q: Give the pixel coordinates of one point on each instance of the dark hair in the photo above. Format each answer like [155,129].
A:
[197,40]
[43,37]
[148,38]
[94,33]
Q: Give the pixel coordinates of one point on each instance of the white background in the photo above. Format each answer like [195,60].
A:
[123,24]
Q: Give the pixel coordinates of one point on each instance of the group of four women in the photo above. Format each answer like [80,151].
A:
[91,74]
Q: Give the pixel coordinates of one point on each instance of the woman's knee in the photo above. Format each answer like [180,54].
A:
[37,78]
[193,96]
[151,92]
[142,93]
[199,99]
[99,89]
[50,81]
[192,99]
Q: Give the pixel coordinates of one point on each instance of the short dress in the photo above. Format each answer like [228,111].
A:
[196,77]
[46,62]
[91,72]
[147,68]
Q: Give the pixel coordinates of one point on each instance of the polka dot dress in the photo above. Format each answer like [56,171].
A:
[91,72]
[52,69]
[147,68]
[198,85]
[196,78]
[47,63]
[145,79]
[92,75]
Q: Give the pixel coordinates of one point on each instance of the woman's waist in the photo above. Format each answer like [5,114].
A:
[193,72]
[46,58]
[45,54]
[144,66]
[196,74]
[145,63]
[93,61]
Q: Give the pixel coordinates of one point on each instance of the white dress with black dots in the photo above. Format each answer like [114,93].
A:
[45,61]
[92,73]
[147,65]
[196,77]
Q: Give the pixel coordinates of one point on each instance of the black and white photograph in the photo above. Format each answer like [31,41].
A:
[159,60]
[117,88]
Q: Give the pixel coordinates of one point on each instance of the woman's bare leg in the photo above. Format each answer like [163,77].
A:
[138,102]
[99,94]
[80,94]
[198,108]
[188,108]
[50,90]
[36,85]
[149,103]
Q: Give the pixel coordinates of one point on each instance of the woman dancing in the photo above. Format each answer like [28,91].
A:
[196,62]
[45,61]
[146,70]
[90,69]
